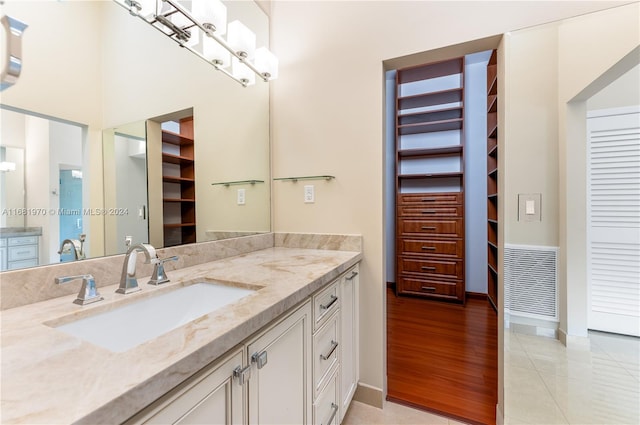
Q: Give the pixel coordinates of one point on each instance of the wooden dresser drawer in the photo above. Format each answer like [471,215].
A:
[448,198]
[411,286]
[450,228]
[432,267]
[426,211]
[448,248]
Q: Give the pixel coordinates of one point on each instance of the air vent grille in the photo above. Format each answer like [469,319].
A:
[530,278]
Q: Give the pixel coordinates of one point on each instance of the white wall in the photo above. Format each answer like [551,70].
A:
[624,91]
[328,112]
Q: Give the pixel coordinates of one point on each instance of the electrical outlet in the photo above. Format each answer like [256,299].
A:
[241,196]
[128,240]
[309,194]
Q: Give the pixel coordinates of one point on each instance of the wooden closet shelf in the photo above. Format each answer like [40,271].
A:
[176,159]
[175,138]
[430,99]
[431,175]
[174,179]
[430,127]
[442,150]
[178,200]
[178,225]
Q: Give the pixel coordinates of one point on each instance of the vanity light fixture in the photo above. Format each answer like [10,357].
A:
[200,30]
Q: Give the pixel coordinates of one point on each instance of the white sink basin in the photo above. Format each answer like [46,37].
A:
[125,327]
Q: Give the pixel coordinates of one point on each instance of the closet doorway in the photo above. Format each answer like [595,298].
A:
[442,324]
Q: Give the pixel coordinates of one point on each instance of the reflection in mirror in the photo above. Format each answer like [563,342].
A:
[111,77]
[125,187]
[43,189]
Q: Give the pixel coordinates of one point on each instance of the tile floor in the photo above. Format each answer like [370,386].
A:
[547,383]
[392,414]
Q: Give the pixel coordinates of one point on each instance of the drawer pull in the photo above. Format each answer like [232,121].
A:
[429,199]
[429,212]
[429,248]
[428,228]
[334,407]
[428,268]
[328,306]
[353,274]
[428,288]
[334,345]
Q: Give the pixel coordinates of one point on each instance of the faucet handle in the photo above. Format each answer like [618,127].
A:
[88,291]
[159,276]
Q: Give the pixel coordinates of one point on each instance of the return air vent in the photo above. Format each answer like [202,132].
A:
[530,281]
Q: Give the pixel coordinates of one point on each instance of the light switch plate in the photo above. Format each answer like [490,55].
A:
[309,194]
[241,196]
[529,205]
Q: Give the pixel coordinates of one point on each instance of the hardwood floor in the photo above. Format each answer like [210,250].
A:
[443,357]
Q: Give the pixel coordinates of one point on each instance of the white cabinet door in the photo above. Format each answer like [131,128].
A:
[349,373]
[280,385]
[213,397]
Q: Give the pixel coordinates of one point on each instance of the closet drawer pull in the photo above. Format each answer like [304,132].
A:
[429,199]
[428,268]
[429,212]
[429,248]
[428,228]
[428,288]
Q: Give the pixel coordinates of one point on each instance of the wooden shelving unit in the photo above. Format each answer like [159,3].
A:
[178,177]
[492,179]
[429,180]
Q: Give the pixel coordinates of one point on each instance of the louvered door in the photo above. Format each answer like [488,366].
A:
[614,220]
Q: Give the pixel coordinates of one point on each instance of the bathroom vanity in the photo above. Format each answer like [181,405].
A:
[287,352]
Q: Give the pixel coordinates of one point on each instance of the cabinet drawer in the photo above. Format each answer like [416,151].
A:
[425,227]
[23,240]
[325,352]
[411,286]
[431,198]
[452,269]
[19,253]
[23,264]
[324,304]
[325,409]
[3,241]
[448,248]
[426,211]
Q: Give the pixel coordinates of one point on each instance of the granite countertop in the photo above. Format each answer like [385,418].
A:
[11,232]
[51,377]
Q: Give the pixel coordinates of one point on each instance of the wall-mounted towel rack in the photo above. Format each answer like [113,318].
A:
[227,184]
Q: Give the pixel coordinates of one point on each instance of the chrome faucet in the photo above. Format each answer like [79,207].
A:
[128,280]
[88,291]
[77,246]
[159,276]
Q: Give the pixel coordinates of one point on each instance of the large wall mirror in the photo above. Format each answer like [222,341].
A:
[82,136]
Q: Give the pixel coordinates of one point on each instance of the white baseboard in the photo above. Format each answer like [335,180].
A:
[369,395]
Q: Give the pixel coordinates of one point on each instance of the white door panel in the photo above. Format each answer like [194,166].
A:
[614,221]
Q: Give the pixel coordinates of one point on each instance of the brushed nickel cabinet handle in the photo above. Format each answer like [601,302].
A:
[429,248]
[428,288]
[428,268]
[334,407]
[353,274]
[334,345]
[428,228]
[328,306]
